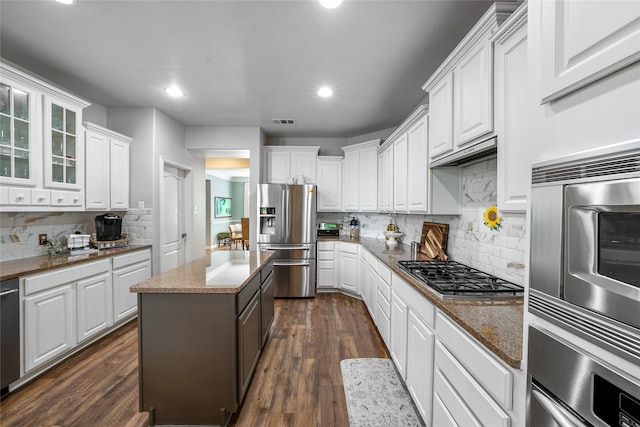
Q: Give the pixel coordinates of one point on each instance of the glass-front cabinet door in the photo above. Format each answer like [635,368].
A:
[17,134]
[63,145]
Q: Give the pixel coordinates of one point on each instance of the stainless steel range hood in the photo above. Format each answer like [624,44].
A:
[480,149]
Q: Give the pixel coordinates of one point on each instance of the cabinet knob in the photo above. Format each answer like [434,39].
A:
[40,199]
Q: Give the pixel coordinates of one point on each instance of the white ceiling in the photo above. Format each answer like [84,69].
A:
[243,63]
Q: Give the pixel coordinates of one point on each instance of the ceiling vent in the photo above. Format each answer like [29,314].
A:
[284,121]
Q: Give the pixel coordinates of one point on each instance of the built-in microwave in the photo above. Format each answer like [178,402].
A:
[585,245]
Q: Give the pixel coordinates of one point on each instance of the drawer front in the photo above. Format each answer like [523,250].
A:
[449,408]
[326,265]
[325,255]
[383,272]
[384,288]
[247,293]
[351,248]
[441,415]
[41,197]
[471,394]
[326,246]
[19,196]
[486,369]
[384,304]
[418,303]
[41,281]
[370,258]
[59,198]
[266,271]
[383,322]
[131,258]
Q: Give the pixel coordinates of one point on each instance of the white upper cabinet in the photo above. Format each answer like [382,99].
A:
[584,41]
[441,116]
[385,178]
[406,183]
[360,177]
[286,163]
[511,119]
[472,96]
[417,172]
[19,143]
[329,183]
[41,144]
[107,160]
[63,145]
[400,173]
[461,89]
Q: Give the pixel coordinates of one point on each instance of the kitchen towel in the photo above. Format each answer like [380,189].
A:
[376,395]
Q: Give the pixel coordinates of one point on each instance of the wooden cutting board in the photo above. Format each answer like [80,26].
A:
[433,241]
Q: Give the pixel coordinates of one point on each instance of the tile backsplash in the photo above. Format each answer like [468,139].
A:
[19,230]
[499,252]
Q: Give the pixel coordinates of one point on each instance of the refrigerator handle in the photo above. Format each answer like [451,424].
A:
[285,211]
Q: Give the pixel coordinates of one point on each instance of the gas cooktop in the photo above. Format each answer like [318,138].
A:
[452,279]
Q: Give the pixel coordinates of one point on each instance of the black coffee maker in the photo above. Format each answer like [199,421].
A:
[108,227]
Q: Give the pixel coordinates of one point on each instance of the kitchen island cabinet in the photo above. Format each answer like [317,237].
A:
[201,332]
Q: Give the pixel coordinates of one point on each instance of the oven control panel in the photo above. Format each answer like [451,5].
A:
[613,405]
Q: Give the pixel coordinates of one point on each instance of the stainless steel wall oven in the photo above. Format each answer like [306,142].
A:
[585,280]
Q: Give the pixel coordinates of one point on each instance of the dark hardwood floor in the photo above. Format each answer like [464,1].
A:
[297,380]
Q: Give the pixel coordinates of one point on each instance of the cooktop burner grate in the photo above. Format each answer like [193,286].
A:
[451,278]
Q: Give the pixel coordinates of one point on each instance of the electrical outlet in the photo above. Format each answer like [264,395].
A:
[42,239]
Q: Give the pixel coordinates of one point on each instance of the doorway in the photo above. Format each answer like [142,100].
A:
[227,176]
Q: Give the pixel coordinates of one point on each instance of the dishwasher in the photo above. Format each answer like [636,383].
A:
[9,333]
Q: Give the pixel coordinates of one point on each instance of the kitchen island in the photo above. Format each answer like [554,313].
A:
[202,327]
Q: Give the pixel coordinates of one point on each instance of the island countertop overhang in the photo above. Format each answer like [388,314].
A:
[218,272]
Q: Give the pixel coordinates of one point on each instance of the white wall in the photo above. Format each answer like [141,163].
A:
[157,136]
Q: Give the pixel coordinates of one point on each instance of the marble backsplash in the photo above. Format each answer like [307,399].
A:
[19,230]
[499,252]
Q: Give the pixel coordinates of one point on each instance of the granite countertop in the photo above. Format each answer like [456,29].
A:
[218,272]
[26,266]
[496,323]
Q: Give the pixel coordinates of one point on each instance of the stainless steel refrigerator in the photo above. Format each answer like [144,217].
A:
[287,225]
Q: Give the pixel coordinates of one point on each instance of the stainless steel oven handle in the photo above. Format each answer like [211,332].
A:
[291,264]
[557,412]
[9,292]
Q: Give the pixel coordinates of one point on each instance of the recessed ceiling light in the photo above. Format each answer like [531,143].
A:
[174,91]
[325,92]
[66,1]
[331,4]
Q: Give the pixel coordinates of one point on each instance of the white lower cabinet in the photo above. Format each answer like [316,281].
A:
[128,270]
[420,342]
[412,341]
[475,388]
[399,317]
[326,261]
[94,305]
[383,302]
[67,306]
[367,278]
[50,323]
[348,262]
